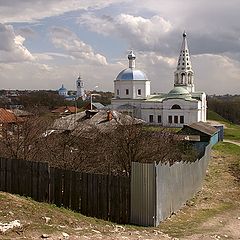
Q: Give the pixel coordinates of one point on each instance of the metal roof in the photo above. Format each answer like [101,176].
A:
[65,109]
[179,91]
[203,127]
[131,74]
[6,116]
[98,105]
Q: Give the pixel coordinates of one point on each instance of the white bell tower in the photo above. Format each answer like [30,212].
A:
[80,88]
[183,76]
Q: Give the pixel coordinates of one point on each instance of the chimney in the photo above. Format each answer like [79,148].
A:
[109,115]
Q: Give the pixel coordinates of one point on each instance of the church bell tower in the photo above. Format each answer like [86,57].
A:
[183,76]
[80,89]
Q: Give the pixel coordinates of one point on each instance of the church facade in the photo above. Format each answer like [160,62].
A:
[180,106]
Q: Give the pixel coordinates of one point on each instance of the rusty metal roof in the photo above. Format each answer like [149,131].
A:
[6,116]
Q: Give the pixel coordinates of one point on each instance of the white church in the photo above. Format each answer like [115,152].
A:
[182,105]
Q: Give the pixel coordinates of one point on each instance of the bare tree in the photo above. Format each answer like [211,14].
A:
[20,140]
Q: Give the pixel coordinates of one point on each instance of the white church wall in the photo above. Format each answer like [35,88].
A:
[153,115]
[122,87]
[136,89]
[143,87]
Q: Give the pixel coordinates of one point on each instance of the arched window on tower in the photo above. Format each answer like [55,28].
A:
[182,77]
[189,78]
[175,106]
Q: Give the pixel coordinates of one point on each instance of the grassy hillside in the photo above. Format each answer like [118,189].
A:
[211,115]
[231,131]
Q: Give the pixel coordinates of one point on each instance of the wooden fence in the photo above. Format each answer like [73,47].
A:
[102,196]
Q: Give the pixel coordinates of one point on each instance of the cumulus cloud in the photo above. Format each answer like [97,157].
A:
[142,33]
[67,40]
[33,75]
[26,32]
[28,10]
[11,46]
[216,74]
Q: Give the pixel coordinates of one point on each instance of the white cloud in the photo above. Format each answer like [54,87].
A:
[216,74]
[26,75]
[11,46]
[28,10]
[67,40]
[142,33]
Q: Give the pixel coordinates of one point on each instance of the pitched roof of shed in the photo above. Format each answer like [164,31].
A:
[203,127]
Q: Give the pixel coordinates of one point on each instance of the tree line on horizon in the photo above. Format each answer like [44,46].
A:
[228,106]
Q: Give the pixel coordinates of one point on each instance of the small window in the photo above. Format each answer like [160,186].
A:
[159,118]
[183,63]
[181,119]
[117,91]
[187,63]
[175,119]
[151,118]
[139,92]
[169,119]
[127,91]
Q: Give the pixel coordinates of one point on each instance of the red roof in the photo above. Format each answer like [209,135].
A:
[66,109]
[6,116]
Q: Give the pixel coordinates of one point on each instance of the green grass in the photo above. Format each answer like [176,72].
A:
[211,115]
[233,151]
[232,132]
[228,148]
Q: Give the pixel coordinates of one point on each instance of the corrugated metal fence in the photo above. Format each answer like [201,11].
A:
[157,191]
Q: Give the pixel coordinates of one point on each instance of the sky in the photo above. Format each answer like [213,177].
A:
[47,43]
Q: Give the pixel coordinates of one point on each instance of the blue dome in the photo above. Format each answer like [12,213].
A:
[131,74]
[62,89]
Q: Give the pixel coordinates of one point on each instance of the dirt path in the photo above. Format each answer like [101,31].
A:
[233,142]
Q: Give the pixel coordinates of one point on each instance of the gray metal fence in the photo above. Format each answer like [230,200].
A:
[157,191]
[143,194]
